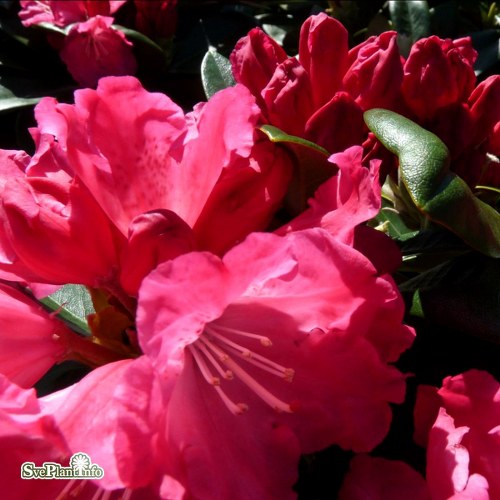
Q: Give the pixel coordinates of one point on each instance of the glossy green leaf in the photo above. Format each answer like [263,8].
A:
[8,100]
[216,73]
[424,168]
[73,304]
[311,167]
[411,20]
[276,135]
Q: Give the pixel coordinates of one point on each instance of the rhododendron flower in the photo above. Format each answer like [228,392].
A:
[241,341]
[438,73]
[26,434]
[31,345]
[42,202]
[94,49]
[322,95]
[342,203]
[125,436]
[460,426]
[463,444]
[150,164]
[438,88]
[65,12]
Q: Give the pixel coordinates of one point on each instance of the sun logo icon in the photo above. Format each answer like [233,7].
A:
[80,462]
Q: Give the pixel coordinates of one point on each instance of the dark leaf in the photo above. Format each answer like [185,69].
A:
[216,73]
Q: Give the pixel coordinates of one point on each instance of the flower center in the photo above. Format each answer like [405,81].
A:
[217,356]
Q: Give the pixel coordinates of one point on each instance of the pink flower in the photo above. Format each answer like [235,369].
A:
[375,72]
[149,166]
[65,12]
[27,435]
[125,434]
[93,49]
[346,200]
[241,183]
[322,94]
[45,213]
[463,443]
[30,339]
[241,339]
[381,479]
[438,73]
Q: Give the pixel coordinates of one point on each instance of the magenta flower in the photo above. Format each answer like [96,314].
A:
[326,86]
[94,49]
[460,425]
[240,342]
[26,434]
[43,202]
[125,435]
[65,12]
[438,73]
[43,334]
[139,176]
[321,95]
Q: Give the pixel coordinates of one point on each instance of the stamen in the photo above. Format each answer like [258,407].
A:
[218,352]
[265,341]
[262,392]
[256,359]
[285,373]
[226,374]
[234,408]
[203,367]
[211,348]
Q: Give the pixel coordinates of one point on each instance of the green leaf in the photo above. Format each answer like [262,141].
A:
[73,304]
[424,169]
[411,20]
[392,222]
[8,100]
[311,167]
[276,135]
[216,73]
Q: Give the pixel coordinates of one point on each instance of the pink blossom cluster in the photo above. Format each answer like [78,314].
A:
[459,424]
[240,343]
[92,47]
[224,338]
[322,93]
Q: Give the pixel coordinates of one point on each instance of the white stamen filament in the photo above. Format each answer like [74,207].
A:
[263,393]
[254,358]
[234,408]
[211,379]
[265,341]
[226,374]
[211,346]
